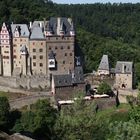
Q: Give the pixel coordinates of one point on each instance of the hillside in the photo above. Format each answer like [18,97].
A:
[112,29]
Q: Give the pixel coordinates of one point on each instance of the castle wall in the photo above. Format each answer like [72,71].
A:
[38,56]
[17,44]
[124,81]
[64,49]
[66,93]
[40,82]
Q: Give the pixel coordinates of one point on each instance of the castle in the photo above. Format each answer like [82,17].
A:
[123,72]
[42,48]
[31,55]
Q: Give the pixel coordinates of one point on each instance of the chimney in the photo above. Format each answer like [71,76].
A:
[123,67]
[30,24]
[40,24]
[58,25]
[70,20]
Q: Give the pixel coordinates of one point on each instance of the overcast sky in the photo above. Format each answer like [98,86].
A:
[95,1]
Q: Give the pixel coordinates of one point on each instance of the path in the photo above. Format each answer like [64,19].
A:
[28,100]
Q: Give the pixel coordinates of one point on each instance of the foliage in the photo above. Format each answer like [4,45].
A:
[4,112]
[104,88]
[74,122]
[124,131]
[111,29]
[131,100]
[39,122]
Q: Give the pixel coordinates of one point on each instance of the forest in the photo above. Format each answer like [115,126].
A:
[72,122]
[112,29]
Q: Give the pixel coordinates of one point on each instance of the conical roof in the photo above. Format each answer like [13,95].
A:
[104,64]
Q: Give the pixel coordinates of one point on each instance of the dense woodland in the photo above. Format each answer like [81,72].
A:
[79,121]
[112,29]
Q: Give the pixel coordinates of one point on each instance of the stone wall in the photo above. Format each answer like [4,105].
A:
[66,93]
[124,81]
[26,82]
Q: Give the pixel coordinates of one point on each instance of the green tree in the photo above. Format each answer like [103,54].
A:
[75,122]
[124,131]
[104,88]
[45,119]
[39,121]
[4,112]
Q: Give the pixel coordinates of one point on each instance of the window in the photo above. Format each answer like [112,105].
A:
[34,57]
[34,64]
[41,57]
[15,56]
[15,39]
[6,51]
[50,48]
[65,54]
[56,47]
[41,65]
[61,47]
[20,39]
[51,63]
[63,62]
[34,50]
[40,50]
[41,43]
[33,43]
[68,47]
[70,54]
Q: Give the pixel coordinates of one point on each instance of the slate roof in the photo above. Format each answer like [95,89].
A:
[37,23]
[48,27]
[104,64]
[69,79]
[63,80]
[63,21]
[37,33]
[24,31]
[124,67]
[78,75]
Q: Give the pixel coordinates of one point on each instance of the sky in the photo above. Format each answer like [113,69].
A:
[95,1]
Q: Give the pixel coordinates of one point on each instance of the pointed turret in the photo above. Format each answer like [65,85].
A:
[104,66]
[62,30]
[48,31]
[17,31]
[72,31]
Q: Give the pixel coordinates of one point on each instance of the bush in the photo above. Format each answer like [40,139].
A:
[104,88]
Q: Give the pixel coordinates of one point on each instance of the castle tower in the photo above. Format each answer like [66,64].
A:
[24,54]
[6,50]
[62,44]
[20,38]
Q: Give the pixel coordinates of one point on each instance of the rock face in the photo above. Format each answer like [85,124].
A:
[4,136]
[16,136]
